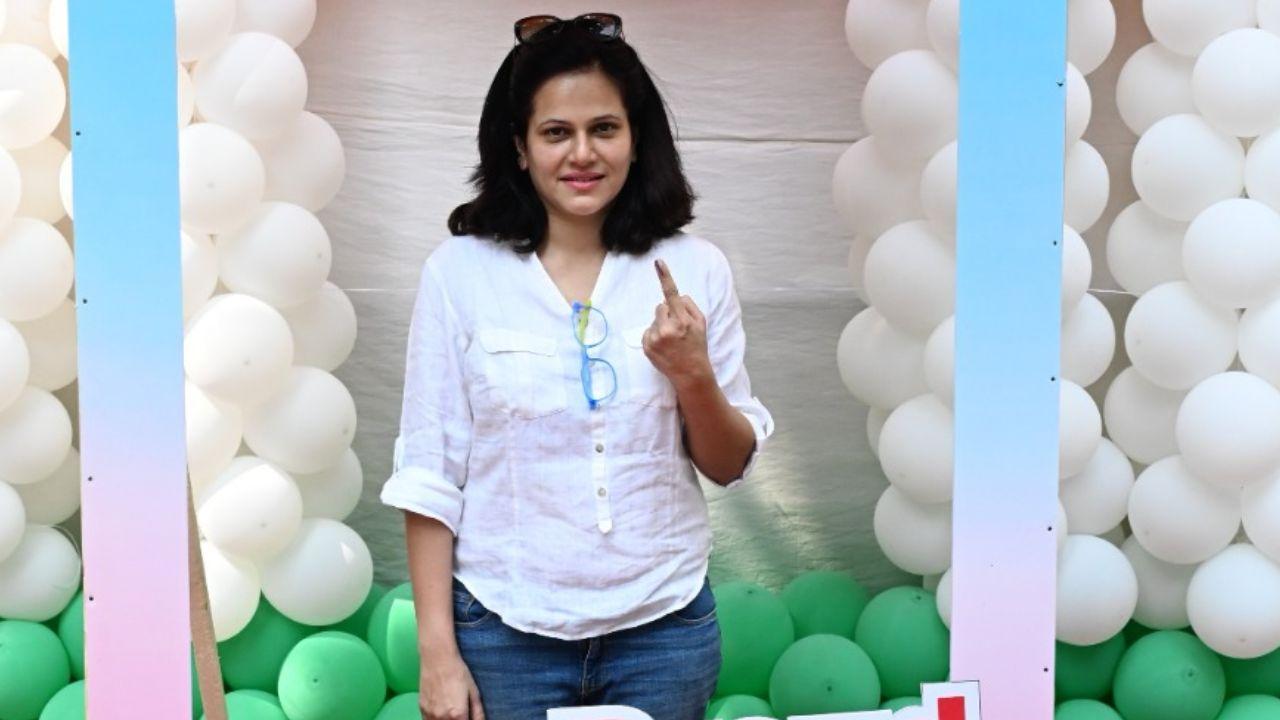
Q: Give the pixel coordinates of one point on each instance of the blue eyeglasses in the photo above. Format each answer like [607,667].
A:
[580,319]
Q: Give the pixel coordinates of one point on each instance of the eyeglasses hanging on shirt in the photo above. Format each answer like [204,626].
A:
[589,336]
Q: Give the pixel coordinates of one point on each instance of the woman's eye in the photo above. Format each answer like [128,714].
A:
[607,127]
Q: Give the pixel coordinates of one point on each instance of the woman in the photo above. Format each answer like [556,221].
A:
[559,391]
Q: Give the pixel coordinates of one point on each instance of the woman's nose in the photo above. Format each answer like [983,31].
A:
[582,150]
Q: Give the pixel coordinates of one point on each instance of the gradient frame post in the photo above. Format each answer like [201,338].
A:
[124,123]
[1008,314]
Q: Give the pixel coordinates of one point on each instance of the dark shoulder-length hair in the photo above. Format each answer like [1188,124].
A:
[654,203]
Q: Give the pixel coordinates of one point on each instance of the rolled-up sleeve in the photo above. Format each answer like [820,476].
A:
[430,463]
[727,346]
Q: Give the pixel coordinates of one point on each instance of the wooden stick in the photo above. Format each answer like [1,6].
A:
[208,670]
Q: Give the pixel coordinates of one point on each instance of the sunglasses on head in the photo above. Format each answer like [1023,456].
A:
[537,28]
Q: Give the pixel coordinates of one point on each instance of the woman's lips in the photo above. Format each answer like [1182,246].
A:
[583,184]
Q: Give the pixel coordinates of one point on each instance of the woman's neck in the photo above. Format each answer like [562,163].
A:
[573,237]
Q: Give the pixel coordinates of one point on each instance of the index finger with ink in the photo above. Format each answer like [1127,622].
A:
[669,291]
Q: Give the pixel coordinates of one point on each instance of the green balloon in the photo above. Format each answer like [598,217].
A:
[1259,676]
[1084,709]
[740,706]
[332,675]
[70,629]
[905,637]
[823,674]
[1169,675]
[713,707]
[251,659]
[1134,631]
[755,629]
[1087,671]
[393,635]
[1251,707]
[401,707]
[357,623]
[33,668]
[253,705]
[66,704]
[825,601]
[197,704]
[897,704]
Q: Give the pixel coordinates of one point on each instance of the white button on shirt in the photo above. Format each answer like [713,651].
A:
[570,522]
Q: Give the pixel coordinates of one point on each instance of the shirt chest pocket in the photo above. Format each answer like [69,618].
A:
[517,373]
[647,384]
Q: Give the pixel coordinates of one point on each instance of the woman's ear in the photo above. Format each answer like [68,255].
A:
[521,159]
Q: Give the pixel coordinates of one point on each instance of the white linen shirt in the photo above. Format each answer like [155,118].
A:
[570,522]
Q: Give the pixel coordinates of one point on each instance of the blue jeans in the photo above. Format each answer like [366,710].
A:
[667,668]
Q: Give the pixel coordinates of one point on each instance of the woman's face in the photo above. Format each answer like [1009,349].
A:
[578,147]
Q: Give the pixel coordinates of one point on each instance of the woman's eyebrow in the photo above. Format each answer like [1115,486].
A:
[598,118]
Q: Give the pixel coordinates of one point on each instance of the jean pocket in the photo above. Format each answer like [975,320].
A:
[700,610]
[467,610]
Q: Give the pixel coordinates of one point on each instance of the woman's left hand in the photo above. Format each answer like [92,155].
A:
[676,342]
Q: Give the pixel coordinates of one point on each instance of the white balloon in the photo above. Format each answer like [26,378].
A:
[27,23]
[1087,186]
[943,598]
[40,164]
[324,328]
[1091,33]
[1061,527]
[1162,588]
[1079,428]
[1269,15]
[255,84]
[1097,499]
[51,342]
[1187,26]
[66,186]
[1077,269]
[40,577]
[32,94]
[876,29]
[10,187]
[910,275]
[58,25]
[1079,105]
[214,429]
[333,492]
[881,365]
[916,446]
[1236,82]
[872,193]
[282,255]
[1144,248]
[1154,83]
[1231,253]
[186,97]
[35,436]
[915,537]
[1231,603]
[289,20]
[1260,340]
[221,178]
[202,26]
[940,361]
[1227,429]
[306,426]
[234,589]
[911,103]
[1097,591]
[1088,342]
[36,269]
[252,512]
[322,577]
[238,348]
[1140,417]
[305,163]
[1116,535]
[858,250]
[56,498]
[1175,338]
[938,190]
[13,520]
[876,418]
[1262,169]
[15,364]
[942,23]
[1182,165]
[1260,515]
[199,271]
[1180,518]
